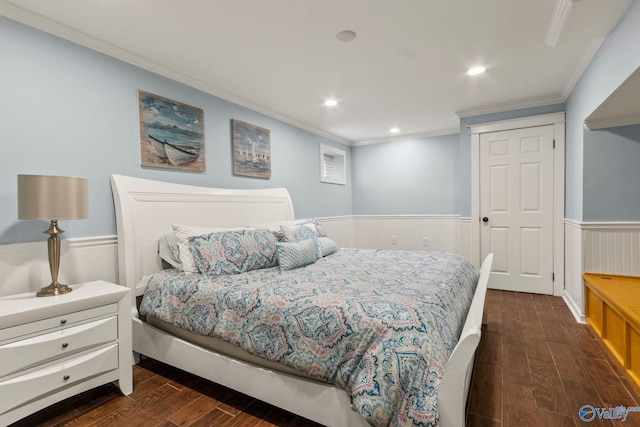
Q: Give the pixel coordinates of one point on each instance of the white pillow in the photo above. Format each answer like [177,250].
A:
[183,232]
[168,250]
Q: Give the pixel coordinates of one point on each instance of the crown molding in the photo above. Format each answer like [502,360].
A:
[405,137]
[519,123]
[592,48]
[65,32]
[510,106]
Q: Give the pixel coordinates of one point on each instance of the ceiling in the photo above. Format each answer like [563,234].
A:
[406,68]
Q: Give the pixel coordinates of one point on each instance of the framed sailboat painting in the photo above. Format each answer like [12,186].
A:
[251,150]
[171,133]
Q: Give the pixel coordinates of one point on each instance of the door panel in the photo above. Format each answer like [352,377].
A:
[516,195]
[499,240]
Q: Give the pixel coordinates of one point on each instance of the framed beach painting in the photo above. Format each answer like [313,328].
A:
[171,133]
[251,150]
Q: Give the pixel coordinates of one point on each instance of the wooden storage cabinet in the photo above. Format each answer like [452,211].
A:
[612,305]
[55,347]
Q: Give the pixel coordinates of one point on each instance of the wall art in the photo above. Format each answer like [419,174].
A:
[171,133]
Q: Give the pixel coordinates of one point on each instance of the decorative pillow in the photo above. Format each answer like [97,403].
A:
[297,254]
[183,232]
[297,233]
[234,252]
[326,246]
[169,251]
[276,227]
[321,230]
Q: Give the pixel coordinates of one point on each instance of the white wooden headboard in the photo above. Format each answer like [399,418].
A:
[145,210]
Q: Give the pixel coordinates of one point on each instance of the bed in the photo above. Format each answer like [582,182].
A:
[145,212]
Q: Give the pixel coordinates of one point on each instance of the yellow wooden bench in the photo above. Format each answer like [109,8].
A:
[612,305]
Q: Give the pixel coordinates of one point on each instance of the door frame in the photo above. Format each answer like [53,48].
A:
[558,122]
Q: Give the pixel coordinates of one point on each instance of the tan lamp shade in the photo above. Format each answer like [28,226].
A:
[52,197]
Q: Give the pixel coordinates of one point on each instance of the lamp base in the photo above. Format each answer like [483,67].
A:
[53,289]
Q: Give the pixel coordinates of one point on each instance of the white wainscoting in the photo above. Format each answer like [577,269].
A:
[573,262]
[466,229]
[594,247]
[340,229]
[612,248]
[598,247]
[24,267]
[408,232]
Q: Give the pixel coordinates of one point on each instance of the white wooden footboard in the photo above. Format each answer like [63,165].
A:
[454,386]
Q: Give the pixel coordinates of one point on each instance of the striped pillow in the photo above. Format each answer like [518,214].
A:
[298,254]
[326,246]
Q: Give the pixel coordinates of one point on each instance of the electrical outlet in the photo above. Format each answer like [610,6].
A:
[394,240]
[425,242]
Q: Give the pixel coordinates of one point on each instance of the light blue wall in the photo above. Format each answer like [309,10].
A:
[67,110]
[465,144]
[592,155]
[415,176]
[612,174]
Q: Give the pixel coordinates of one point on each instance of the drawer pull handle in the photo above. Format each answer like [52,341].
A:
[66,378]
[63,321]
[65,344]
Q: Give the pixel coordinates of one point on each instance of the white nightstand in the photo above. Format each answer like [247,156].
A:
[52,348]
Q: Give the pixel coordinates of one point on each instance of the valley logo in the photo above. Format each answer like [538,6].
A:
[588,413]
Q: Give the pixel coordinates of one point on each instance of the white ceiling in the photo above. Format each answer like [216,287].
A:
[405,68]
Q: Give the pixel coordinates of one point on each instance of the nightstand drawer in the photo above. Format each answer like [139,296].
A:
[40,349]
[33,385]
[57,322]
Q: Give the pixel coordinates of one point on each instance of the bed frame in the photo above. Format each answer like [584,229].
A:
[146,209]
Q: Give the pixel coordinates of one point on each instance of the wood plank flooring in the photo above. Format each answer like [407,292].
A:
[535,367]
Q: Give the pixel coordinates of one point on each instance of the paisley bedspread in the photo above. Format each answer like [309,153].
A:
[379,324]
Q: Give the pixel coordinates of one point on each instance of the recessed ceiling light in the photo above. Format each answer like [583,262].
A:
[346,36]
[476,70]
[330,102]
[394,130]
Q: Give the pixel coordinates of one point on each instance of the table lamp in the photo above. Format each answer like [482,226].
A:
[52,198]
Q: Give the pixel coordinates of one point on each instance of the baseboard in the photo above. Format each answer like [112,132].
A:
[574,308]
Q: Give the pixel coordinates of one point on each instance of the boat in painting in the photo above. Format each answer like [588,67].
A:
[158,146]
[175,154]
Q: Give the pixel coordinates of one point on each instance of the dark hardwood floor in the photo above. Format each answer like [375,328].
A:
[535,367]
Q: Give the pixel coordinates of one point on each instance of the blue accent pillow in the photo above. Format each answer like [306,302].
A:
[297,254]
[326,246]
[234,252]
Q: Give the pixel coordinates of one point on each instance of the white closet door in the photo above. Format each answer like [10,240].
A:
[516,207]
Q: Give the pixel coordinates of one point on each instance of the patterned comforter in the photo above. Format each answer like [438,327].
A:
[379,324]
